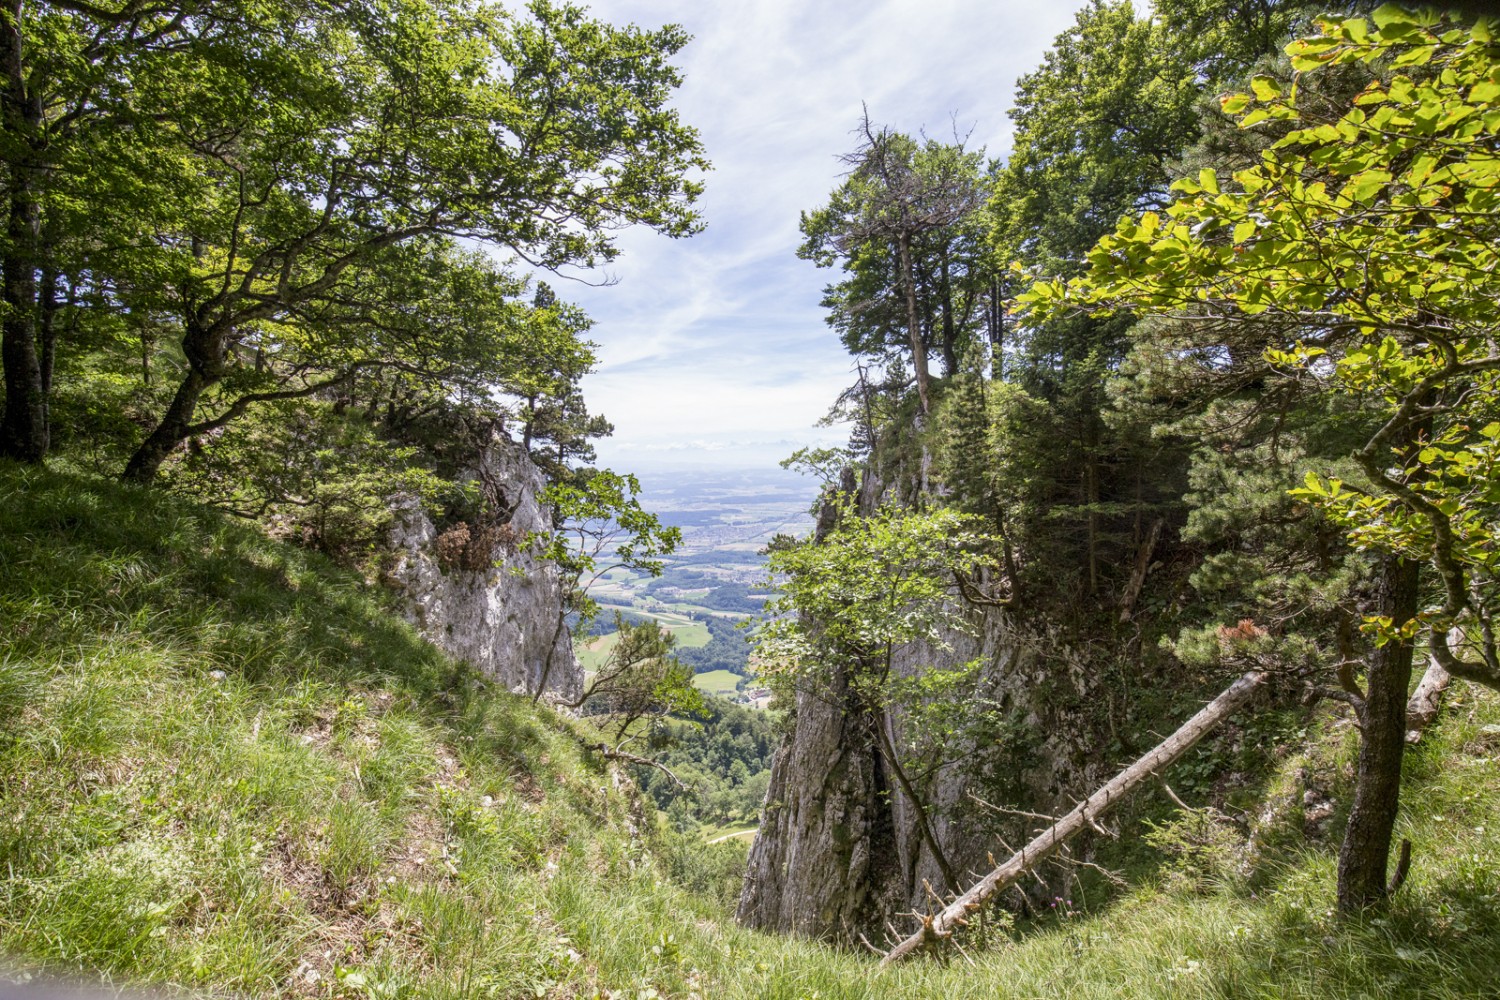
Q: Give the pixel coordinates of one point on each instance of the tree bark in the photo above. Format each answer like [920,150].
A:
[47,336]
[205,352]
[879,720]
[913,325]
[945,303]
[1138,574]
[24,434]
[996,321]
[1364,854]
[1422,707]
[938,928]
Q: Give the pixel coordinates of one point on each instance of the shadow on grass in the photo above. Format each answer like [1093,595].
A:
[85,561]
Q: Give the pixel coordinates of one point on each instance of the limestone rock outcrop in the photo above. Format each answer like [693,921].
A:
[839,854]
[480,592]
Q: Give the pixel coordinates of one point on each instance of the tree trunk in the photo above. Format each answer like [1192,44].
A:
[996,319]
[1377,789]
[541,684]
[950,330]
[1091,496]
[47,335]
[205,352]
[24,433]
[1138,574]
[1422,707]
[928,836]
[938,928]
[913,327]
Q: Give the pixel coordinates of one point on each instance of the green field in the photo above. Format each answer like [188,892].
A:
[719,682]
[690,635]
[592,654]
[693,636]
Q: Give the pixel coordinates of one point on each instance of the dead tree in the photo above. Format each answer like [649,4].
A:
[893,198]
[937,929]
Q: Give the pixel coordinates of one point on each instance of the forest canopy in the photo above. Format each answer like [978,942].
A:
[218,254]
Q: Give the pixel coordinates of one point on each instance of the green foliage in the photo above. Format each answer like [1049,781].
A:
[602,526]
[904,230]
[847,600]
[640,683]
[1096,128]
[724,757]
[1370,230]
[1207,852]
[728,647]
[336,497]
[220,227]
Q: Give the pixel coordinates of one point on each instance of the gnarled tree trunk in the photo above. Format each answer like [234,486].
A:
[205,350]
[1364,854]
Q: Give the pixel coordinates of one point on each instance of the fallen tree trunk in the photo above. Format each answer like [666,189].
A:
[1428,697]
[936,929]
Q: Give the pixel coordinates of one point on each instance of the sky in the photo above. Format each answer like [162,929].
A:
[713,352]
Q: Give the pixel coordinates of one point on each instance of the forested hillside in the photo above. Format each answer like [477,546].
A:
[1196,383]
[1187,399]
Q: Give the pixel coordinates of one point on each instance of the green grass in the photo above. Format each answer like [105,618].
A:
[225,766]
[691,636]
[718,682]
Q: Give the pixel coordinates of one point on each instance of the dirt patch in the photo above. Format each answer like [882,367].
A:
[338,936]
[526,784]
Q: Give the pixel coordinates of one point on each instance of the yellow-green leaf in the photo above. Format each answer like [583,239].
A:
[1484,92]
[1388,14]
[1366,184]
[1233,104]
[1266,88]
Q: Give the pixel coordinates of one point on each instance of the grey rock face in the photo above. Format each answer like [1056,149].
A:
[839,853]
[504,618]
[825,861]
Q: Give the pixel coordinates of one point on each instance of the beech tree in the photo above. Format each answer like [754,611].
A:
[78,144]
[1371,233]
[327,155]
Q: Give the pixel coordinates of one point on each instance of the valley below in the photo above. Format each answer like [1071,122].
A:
[715,583]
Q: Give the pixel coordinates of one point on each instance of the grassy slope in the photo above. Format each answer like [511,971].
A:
[224,765]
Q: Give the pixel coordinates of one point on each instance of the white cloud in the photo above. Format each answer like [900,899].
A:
[719,339]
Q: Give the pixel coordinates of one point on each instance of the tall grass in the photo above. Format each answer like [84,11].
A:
[226,766]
